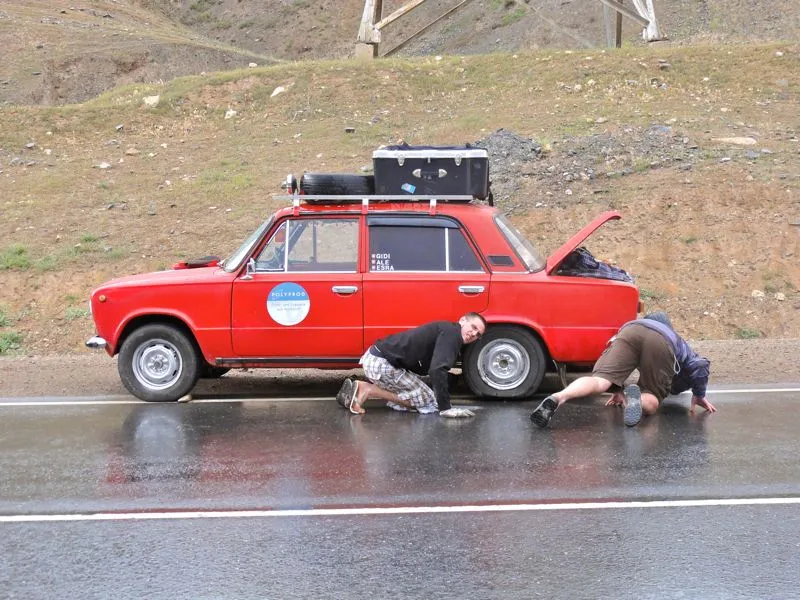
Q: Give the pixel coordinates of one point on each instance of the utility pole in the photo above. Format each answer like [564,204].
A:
[372,22]
[644,15]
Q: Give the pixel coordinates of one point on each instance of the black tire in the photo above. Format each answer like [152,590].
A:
[210,372]
[337,183]
[158,363]
[507,362]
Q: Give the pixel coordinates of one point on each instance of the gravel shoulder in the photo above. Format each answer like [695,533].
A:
[95,374]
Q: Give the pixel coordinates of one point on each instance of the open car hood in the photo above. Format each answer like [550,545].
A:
[554,260]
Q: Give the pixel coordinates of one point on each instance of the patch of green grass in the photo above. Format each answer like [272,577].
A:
[4,319]
[747,333]
[115,254]
[202,5]
[71,299]
[46,263]
[689,240]
[514,16]
[14,257]
[771,288]
[10,341]
[88,238]
[247,23]
[79,249]
[104,185]
[224,180]
[648,294]
[76,312]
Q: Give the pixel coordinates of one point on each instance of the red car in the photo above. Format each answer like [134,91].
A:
[320,281]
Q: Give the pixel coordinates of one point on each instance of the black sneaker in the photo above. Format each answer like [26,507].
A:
[345,392]
[633,405]
[544,412]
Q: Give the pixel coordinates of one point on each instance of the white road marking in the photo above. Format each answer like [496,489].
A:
[92,401]
[395,510]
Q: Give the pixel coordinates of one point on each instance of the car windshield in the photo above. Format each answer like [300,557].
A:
[235,260]
[524,249]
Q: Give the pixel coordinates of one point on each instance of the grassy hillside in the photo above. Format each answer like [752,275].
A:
[57,53]
[114,186]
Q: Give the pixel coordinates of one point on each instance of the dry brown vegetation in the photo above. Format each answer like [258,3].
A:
[700,233]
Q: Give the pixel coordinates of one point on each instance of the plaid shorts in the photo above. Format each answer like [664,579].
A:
[407,385]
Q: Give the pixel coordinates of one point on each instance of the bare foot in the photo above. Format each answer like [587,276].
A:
[356,400]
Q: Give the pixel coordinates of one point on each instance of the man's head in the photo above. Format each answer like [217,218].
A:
[659,316]
[473,326]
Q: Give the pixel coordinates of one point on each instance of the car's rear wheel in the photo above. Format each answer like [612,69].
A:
[507,362]
[158,363]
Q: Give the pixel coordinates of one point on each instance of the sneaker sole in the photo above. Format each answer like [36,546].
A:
[538,416]
[633,405]
[345,392]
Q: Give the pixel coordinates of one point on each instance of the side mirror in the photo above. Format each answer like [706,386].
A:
[249,270]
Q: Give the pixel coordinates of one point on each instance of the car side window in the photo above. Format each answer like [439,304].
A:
[314,245]
[273,256]
[422,248]
[462,258]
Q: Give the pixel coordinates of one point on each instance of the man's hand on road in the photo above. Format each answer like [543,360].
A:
[456,413]
[702,402]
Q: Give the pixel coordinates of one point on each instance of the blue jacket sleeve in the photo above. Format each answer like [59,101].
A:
[694,373]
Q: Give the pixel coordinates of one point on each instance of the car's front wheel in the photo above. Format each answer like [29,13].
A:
[507,362]
[158,363]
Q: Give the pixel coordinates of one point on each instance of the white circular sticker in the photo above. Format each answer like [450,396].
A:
[288,304]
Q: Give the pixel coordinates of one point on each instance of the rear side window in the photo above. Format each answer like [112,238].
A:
[526,252]
[426,247]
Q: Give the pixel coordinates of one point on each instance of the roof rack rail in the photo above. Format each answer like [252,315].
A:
[360,198]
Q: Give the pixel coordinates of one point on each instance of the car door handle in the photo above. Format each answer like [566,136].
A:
[471,289]
[345,290]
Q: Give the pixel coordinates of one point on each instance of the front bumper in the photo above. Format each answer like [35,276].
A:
[96,342]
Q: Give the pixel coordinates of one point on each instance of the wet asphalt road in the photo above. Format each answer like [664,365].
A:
[133,459]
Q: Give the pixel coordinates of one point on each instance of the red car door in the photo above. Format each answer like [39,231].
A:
[302,297]
[421,268]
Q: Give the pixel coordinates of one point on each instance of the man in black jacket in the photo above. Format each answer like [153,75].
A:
[393,365]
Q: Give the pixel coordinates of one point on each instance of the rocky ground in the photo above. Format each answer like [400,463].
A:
[732,362]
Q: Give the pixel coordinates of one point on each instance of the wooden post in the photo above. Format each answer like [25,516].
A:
[608,15]
[368,37]
[623,11]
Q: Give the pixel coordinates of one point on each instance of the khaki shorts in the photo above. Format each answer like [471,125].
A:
[637,347]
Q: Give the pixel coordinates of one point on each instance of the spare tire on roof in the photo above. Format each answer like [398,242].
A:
[337,183]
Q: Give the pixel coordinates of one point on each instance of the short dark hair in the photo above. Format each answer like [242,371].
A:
[474,315]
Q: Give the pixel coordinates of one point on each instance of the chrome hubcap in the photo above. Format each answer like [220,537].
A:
[503,364]
[157,364]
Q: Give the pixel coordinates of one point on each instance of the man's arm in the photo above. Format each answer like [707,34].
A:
[699,370]
[444,357]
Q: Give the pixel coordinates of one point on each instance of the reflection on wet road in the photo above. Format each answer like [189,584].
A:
[72,460]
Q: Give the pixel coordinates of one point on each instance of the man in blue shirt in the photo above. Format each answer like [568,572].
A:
[666,364]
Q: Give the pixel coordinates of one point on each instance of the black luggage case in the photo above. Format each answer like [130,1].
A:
[431,170]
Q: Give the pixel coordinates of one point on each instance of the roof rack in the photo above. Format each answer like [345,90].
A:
[359,198]
[365,200]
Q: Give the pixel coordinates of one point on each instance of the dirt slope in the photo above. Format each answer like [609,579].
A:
[56,53]
[697,147]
